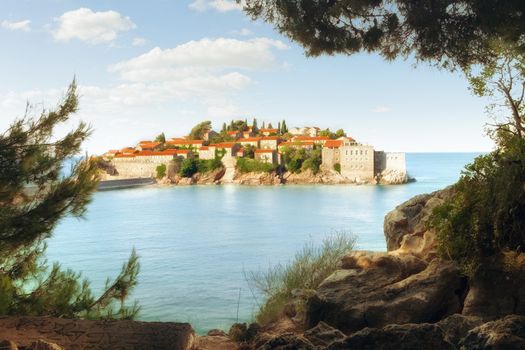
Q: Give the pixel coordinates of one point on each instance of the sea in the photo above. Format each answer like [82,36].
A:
[197,244]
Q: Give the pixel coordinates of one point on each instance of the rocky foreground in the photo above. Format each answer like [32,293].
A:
[405,298]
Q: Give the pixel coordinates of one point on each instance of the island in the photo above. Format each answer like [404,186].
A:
[245,154]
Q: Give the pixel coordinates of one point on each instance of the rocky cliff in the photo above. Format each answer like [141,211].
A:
[410,298]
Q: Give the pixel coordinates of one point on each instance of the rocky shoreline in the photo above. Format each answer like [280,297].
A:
[405,298]
[324,177]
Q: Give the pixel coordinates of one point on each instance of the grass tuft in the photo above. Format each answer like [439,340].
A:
[310,266]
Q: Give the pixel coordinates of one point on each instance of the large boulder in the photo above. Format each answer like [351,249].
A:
[323,335]
[377,289]
[497,288]
[405,227]
[86,334]
[504,334]
[456,327]
[396,337]
[288,341]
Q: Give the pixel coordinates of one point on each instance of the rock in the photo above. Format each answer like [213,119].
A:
[410,220]
[8,345]
[392,177]
[504,334]
[209,178]
[239,332]
[288,341]
[497,288]
[396,337]
[374,290]
[87,334]
[216,333]
[323,335]
[216,342]
[44,345]
[254,179]
[457,326]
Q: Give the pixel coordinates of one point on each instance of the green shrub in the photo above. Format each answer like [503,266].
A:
[189,167]
[313,161]
[246,165]
[207,165]
[486,214]
[161,171]
[337,167]
[306,271]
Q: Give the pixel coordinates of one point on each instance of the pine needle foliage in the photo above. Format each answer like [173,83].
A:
[35,194]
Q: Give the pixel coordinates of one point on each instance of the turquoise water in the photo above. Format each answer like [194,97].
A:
[196,242]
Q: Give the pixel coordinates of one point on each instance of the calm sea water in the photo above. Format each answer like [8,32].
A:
[196,242]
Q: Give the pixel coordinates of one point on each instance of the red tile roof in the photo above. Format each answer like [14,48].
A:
[250,139]
[184,142]
[333,143]
[311,138]
[145,144]
[205,148]
[233,132]
[296,143]
[268,130]
[224,144]
[271,138]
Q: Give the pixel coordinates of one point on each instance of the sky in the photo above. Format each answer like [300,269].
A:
[163,66]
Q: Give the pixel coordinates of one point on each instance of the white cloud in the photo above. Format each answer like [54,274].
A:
[196,57]
[92,27]
[381,109]
[138,41]
[243,32]
[218,5]
[24,26]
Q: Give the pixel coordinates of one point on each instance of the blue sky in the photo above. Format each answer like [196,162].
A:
[164,66]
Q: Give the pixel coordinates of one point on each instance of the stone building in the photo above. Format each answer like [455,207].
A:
[207,152]
[253,141]
[229,148]
[266,155]
[268,131]
[308,145]
[145,163]
[357,162]
[360,162]
[270,142]
[312,131]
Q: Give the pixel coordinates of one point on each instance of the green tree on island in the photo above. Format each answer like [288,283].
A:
[161,138]
[34,196]
[198,131]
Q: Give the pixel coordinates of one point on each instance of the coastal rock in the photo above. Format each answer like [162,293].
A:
[259,178]
[86,334]
[396,337]
[44,345]
[215,342]
[405,227]
[288,341]
[307,177]
[323,335]
[377,289]
[8,345]
[456,327]
[209,178]
[497,288]
[507,333]
[392,177]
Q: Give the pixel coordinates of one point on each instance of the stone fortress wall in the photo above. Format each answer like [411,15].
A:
[140,167]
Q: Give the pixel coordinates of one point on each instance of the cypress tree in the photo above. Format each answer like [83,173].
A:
[34,196]
[284,128]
